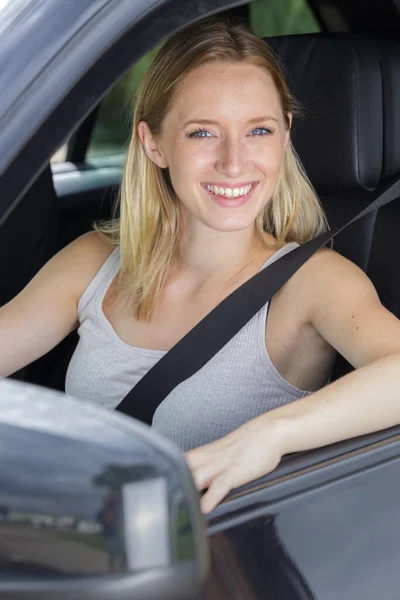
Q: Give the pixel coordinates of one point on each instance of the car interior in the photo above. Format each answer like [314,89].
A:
[348,138]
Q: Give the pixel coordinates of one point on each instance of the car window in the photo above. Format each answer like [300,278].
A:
[267,18]
[111,132]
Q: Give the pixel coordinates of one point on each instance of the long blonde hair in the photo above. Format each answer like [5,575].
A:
[148,227]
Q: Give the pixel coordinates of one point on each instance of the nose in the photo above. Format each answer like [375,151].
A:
[232,159]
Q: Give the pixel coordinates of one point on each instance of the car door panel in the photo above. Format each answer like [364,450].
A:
[343,535]
[336,539]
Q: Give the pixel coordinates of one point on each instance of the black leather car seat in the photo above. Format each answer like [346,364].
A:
[349,141]
[383,266]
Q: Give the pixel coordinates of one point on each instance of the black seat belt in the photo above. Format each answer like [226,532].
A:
[202,342]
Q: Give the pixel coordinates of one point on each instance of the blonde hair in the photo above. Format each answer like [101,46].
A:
[148,227]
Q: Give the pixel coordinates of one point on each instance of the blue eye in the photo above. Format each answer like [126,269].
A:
[199,133]
[261,131]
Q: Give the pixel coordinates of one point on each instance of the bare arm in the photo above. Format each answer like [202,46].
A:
[46,310]
[345,309]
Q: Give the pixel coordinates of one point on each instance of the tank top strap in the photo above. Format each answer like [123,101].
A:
[279,253]
[101,281]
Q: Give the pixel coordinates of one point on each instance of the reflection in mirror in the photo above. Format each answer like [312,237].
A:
[101,502]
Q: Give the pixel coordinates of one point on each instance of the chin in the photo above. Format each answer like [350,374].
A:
[231,224]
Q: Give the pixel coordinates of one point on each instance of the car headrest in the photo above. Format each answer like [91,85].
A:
[349,86]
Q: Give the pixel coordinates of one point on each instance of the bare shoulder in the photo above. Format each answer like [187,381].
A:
[45,311]
[91,248]
[329,267]
[83,257]
[338,299]
[70,271]
[329,281]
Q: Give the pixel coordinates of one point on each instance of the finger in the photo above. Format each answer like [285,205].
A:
[218,489]
[196,459]
[204,475]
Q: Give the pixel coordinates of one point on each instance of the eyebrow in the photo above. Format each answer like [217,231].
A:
[256,120]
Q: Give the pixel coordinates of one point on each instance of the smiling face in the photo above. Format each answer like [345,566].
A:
[222,140]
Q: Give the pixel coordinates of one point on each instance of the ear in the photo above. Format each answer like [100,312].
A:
[150,145]
[287,132]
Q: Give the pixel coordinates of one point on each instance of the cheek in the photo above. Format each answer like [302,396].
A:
[188,162]
[271,157]
[269,165]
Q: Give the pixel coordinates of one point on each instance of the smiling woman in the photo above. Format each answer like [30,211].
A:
[212,192]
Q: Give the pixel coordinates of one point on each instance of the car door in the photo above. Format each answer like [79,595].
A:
[324,526]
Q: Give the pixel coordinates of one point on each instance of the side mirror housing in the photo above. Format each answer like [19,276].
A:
[93,505]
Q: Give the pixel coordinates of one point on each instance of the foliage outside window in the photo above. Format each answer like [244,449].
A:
[111,132]
[282,17]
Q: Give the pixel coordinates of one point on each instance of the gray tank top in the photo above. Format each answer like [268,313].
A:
[238,383]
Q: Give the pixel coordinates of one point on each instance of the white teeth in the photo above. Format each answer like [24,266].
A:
[230,192]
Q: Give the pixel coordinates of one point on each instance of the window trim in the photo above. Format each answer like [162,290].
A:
[301,473]
[79,142]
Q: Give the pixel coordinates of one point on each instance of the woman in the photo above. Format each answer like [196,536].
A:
[212,192]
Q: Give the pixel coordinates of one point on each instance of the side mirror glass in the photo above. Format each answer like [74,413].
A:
[92,504]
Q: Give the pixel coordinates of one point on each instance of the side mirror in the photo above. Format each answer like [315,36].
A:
[93,505]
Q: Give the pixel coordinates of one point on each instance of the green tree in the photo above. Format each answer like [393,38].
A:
[282,17]
[112,130]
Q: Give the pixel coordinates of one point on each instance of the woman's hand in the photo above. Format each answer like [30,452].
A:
[249,452]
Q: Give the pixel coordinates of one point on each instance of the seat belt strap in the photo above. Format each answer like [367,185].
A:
[211,334]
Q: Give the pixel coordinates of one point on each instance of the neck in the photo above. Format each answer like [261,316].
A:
[207,255]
